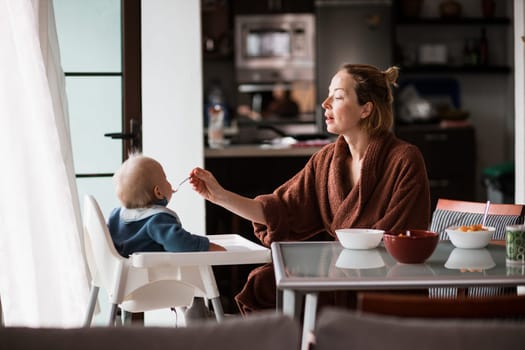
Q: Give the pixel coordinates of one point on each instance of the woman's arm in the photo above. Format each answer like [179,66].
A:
[204,183]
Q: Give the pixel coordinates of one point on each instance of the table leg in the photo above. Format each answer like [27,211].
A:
[292,303]
[278,300]
[310,310]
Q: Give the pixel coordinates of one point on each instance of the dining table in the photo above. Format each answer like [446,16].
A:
[304,269]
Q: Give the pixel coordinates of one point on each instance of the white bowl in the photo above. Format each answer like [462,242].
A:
[470,239]
[359,238]
[470,259]
[359,259]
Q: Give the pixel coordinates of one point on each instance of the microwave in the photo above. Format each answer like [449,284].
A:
[274,48]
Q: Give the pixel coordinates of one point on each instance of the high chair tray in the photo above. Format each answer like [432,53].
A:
[239,251]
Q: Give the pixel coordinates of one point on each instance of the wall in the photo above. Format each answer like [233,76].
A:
[519,87]
[172,97]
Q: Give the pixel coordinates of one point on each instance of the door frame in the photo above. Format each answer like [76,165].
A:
[131,75]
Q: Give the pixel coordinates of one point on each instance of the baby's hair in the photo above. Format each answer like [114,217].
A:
[133,183]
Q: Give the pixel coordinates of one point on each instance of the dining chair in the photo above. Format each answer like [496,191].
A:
[134,289]
[450,212]
[421,306]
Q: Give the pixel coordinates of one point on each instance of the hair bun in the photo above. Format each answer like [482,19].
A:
[391,75]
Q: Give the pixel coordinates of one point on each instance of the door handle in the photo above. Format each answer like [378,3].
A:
[134,136]
[119,135]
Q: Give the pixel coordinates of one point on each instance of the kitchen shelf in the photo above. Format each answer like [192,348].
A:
[411,26]
[466,21]
[457,69]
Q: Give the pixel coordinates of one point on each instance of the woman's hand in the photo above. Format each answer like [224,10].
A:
[205,184]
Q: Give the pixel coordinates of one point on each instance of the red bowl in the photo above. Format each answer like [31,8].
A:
[415,248]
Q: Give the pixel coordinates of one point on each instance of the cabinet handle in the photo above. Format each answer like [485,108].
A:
[438,183]
[436,137]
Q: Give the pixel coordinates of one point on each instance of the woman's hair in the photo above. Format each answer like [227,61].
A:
[135,181]
[374,85]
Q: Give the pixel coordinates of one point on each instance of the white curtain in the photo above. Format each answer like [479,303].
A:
[43,276]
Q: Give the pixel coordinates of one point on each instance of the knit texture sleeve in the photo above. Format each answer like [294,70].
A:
[292,210]
[167,231]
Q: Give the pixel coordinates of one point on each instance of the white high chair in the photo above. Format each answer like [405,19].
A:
[139,289]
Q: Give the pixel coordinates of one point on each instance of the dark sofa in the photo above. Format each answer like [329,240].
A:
[258,332]
[336,330]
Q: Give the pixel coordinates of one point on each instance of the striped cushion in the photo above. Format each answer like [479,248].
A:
[441,219]
[475,292]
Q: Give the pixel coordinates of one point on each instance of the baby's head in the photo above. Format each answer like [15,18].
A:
[140,182]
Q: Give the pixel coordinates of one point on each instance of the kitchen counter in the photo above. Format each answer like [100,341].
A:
[260,151]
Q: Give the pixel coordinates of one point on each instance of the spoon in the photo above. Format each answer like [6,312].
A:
[485,214]
[180,184]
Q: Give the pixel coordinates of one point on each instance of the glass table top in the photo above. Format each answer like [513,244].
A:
[327,265]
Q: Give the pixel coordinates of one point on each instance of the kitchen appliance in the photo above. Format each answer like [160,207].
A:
[350,31]
[274,48]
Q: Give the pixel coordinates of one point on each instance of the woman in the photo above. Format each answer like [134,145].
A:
[366,178]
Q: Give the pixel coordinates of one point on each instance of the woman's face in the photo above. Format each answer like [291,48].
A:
[342,111]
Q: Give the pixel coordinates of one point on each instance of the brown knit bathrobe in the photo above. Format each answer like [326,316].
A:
[392,194]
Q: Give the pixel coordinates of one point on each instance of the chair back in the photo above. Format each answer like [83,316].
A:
[450,212]
[106,265]
[413,305]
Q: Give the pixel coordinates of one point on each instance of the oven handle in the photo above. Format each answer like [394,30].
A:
[332,3]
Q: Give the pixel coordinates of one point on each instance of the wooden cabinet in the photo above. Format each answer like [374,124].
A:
[272,6]
[450,158]
[248,176]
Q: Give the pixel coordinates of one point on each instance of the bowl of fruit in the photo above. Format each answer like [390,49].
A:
[470,236]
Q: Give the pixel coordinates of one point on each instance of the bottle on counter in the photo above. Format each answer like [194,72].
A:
[216,126]
[216,115]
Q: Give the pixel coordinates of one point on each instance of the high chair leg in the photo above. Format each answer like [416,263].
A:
[91,306]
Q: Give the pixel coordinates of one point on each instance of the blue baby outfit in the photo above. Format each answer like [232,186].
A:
[155,228]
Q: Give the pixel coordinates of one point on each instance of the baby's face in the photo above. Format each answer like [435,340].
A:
[164,185]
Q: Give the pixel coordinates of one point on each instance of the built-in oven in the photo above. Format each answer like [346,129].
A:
[275,74]
[274,48]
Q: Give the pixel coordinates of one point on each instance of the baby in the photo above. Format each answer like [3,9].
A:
[144,223]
